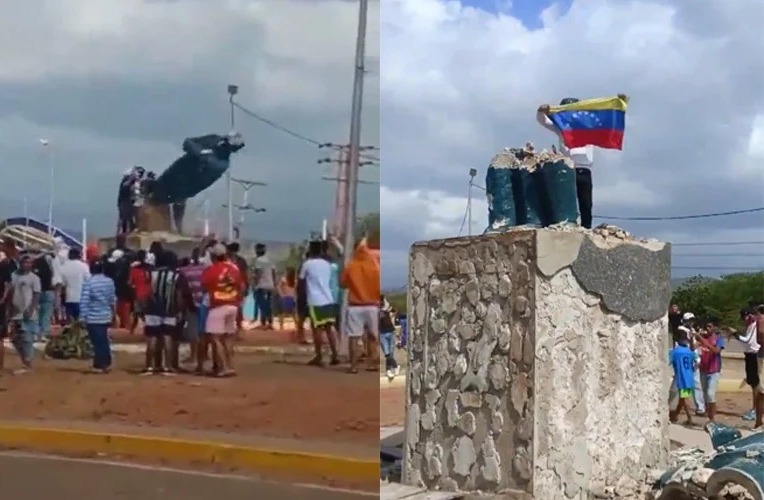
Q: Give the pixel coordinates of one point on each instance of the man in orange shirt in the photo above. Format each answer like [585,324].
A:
[223,283]
[360,278]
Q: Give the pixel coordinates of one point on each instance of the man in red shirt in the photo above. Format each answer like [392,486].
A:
[223,283]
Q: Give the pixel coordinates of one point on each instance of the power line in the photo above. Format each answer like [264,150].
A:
[720,255]
[718,243]
[291,132]
[683,217]
[275,125]
[675,217]
[718,268]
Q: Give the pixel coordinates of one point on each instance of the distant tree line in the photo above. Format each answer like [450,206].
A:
[720,299]
[367,225]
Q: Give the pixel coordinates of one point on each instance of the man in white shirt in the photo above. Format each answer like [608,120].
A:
[73,274]
[265,284]
[582,158]
[316,278]
[752,339]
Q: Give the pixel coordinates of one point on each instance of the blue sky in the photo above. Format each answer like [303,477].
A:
[527,11]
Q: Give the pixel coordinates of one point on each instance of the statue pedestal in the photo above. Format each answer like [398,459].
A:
[153,217]
[537,362]
[178,243]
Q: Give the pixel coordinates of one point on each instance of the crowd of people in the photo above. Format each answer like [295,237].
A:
[196,300]
[696,359]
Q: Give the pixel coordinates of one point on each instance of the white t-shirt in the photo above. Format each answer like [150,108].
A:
[265,270]
[317,274]
[749,339]
[73,274]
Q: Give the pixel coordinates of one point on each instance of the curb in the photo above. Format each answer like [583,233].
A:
[64,441]
[725,385]
[731,385]
[399,381]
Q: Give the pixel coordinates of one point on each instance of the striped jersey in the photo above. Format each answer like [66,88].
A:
[97,299]
[163,299]
[193,276]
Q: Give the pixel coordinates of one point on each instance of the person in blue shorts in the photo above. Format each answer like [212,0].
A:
[682,359]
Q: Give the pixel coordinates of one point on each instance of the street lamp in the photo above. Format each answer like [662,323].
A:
[473,173]
[232,91]
[51,166]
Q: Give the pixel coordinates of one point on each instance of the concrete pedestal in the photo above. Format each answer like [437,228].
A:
[178,243]
[537,362]
[154,217]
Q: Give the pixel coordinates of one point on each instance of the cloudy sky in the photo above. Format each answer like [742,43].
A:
[461,80]
[115,83]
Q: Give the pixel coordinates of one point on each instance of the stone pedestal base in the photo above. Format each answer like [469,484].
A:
[180,244]
[537,362]
[151,217]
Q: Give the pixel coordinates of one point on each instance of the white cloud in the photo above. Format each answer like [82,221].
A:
[459,83]
[443,213]
[291,52]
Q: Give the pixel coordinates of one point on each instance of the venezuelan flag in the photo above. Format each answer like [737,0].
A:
[598,122]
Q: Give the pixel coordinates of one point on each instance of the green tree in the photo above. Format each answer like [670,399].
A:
[721,299]
[397,301]
[294,256]
[368,225]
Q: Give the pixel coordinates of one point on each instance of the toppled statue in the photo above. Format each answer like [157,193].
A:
[529,188]
[734,470]
[204,161]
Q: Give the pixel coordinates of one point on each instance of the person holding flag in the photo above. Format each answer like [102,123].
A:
[579,126]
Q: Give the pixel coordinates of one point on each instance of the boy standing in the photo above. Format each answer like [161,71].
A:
[710,345]
[387,339]
[26,290]
[682,360]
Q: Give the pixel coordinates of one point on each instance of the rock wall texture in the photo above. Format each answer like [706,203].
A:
[469,422]
[537,362]
[601,362]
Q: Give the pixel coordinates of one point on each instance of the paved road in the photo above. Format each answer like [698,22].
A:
[32,477]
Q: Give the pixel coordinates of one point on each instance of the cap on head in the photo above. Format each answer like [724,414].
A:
[116,255]
[569,100]
[688,316]
[219,250]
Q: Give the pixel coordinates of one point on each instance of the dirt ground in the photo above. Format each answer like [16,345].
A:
[279,397]
[255,336]
[731,406]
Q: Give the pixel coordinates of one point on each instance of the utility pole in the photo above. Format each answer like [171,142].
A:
[232,91]
[246,185]
[473,173]
[355,132]
[340,177]
[241,208]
